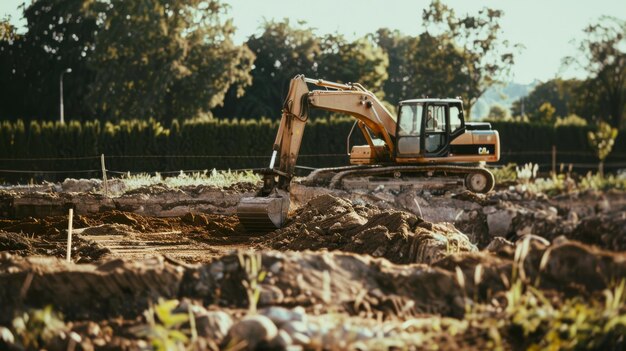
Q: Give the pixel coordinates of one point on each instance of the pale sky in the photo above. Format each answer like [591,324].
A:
[545,27]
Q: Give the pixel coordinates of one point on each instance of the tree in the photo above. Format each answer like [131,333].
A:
[282,51]
[560,93]
[59,35]
[545,113]
[470,48]
[498,112]
[397,47]
[422,66]
[435,68]
[359,61]
[7,30]
[602,141]
[165,59]
[603,56]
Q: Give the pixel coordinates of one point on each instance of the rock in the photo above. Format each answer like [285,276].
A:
[357,333]
[71,185]
[499,221]
[296,327]
[300,339]
[605,229]
[299,314]
[279,315]
[572,216]
[270,295]
[116,186]
[282,340]
[498,244]
[385,196]
[214,325]
[299,332]
[253,330]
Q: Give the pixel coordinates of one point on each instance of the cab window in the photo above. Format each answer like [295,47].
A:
[455,118]
[436,118]
[410,119]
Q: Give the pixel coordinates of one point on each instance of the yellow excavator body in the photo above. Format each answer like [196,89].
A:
[428,136]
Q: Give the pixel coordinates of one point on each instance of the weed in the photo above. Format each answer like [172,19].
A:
[505,174]
[527,172]
[35,328]
[253,269]
[164,326]
[215,178]
[599,182]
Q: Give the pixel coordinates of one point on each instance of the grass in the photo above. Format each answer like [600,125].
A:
[562,182]
[164,328]
[36,328]
[505,174]
[252,266]
[220,179]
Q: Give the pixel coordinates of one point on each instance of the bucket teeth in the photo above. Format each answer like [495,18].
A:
[262,214]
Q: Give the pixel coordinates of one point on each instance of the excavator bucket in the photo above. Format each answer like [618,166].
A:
[263,214]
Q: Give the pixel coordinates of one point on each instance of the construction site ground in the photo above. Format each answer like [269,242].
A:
[351,269]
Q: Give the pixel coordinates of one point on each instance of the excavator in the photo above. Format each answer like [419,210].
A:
[429,137]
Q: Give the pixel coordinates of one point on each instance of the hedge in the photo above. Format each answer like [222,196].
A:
[149,146]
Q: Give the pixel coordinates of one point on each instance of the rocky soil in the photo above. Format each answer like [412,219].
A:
[381,269]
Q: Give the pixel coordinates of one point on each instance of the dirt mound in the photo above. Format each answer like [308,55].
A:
[329,222]
[346,282]
[606,229]
[19,244]
[13,242]
[42,227]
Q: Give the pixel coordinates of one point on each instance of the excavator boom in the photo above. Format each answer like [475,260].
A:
[269,209]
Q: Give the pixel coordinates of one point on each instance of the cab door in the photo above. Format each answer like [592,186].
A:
[409,140]
[436,132]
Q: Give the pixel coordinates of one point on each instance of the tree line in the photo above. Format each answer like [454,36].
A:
[176,59]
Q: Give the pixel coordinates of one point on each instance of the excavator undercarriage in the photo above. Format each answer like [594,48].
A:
[429,139]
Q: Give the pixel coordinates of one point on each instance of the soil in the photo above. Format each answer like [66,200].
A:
[117,234]
[328,222]
[380,258]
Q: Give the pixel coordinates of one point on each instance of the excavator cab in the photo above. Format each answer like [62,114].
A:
[427,126]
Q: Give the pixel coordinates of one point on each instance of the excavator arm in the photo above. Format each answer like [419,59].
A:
[268,210]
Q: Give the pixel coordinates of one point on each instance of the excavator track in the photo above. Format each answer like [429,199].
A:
[476,179]
[322,176]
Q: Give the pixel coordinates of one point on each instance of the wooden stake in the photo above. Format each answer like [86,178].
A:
[69,235]
[104,176]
